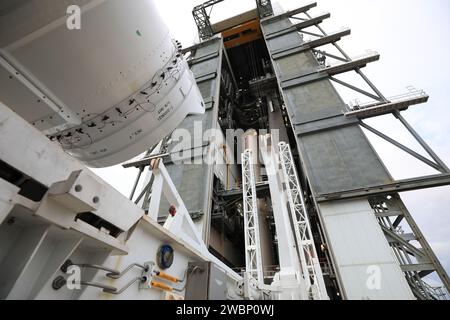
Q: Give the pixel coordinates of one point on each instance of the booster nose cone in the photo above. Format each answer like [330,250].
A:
[106,90]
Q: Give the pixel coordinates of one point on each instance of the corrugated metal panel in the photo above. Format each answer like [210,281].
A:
[358,246]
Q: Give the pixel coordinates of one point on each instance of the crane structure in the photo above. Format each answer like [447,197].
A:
[283,198]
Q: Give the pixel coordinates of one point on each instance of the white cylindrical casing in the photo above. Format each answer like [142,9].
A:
[107,91]
[251,142]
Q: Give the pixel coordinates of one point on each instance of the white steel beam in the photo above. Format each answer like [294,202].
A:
[302,227]
[293,276]
[253,261]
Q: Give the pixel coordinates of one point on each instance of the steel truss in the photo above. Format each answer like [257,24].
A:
[414,254]
[253,260]
[425,260]
[202,17]
[384,106]
[416,263]
[302,227]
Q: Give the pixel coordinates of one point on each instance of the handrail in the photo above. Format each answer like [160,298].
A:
[397,98]
[114,274]
[112,290]
[60,281]
[367,54]
[118,275]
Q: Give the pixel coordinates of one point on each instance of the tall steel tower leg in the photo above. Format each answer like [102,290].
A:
[293,277]
[253,260]
[302,227]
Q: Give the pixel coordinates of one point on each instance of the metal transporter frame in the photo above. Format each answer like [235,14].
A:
[342,123]
[61,212]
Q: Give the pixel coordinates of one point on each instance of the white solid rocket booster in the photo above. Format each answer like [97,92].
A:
[106,91]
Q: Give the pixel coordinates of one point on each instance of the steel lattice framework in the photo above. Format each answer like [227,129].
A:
[302,227]
[416,258]
[202,17]
[253,261]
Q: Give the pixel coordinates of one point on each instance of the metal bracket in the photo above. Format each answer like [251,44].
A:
[298,80]
[286,52]
[297,27]
[289,14]
[147,275]
[396,186]
[206,77]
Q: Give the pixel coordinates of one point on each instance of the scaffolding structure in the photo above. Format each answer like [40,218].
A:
[253,263]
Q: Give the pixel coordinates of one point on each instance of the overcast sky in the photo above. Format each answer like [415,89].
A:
[413,38]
